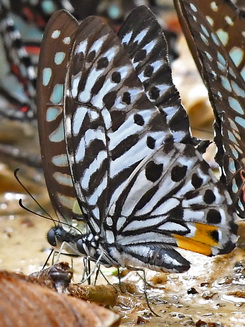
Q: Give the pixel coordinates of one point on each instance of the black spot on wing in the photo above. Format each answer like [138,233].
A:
[109,99]
[148,71]
[91,56]
[98,85]
[196,181]
[102,63]
[154,93]
[116,77]
[178,173]
[117,119]
[213,217]
[150,142]
[139,120]
[126,98]
[153,171]
[209,197]
[140,55]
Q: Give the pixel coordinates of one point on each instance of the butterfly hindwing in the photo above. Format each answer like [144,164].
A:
[106,117]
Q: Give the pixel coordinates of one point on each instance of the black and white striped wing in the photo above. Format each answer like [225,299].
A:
[215,31]
[110,124]
[143,39]
[143,193]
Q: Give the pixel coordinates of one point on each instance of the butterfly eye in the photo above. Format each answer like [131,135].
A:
[52,236]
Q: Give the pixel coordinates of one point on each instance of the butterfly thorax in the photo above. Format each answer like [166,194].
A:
[96,249]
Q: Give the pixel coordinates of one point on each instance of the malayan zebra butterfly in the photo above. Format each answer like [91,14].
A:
[215,31]
[115,139]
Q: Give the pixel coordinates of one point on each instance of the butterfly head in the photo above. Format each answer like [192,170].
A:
[58,235]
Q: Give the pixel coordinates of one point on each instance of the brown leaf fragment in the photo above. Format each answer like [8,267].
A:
[103,294]
[26,304]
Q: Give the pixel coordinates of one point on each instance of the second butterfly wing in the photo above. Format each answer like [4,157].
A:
[215,31]
[54,57]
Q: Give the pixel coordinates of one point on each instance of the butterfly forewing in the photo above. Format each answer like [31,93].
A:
[218,32]
[54,58]
[111,125]
[143,39]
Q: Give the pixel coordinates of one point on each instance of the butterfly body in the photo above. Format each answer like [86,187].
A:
[141,184]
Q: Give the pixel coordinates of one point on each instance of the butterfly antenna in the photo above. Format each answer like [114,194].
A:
[48,217]
[45,217]
[32,197]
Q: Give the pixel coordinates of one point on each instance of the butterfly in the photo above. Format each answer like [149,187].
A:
[115,143]
[215,31]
